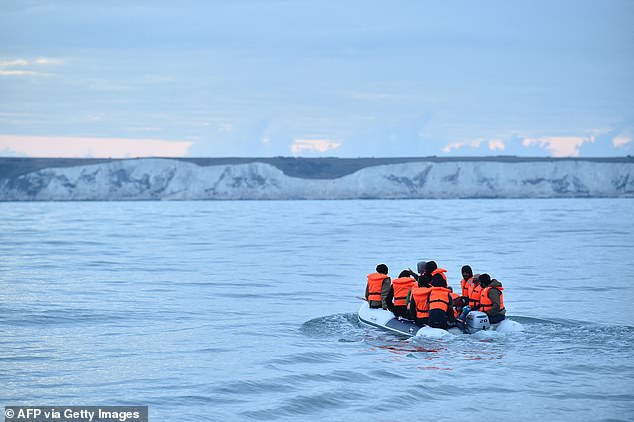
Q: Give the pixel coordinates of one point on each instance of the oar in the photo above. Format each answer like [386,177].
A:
[362,298]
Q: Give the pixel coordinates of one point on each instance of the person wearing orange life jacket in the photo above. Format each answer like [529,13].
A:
[466,282]
[474,292]
[378,287]
[441,272]
[420,267]
[492,299]
[431,269]
[457,302]
[441,312]
[399,292]
[419,304]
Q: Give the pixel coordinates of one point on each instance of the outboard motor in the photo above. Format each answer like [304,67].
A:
[476,321]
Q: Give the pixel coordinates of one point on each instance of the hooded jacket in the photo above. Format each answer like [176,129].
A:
[465,285]
[494,294]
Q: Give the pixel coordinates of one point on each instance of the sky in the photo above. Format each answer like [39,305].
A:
[357,78]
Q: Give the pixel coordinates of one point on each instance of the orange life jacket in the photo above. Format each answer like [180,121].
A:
[466,284]
[439,298]
[474,295]
[485,302]
[440,271]
[375,284]
[421,296]
[401,287]
[455,296]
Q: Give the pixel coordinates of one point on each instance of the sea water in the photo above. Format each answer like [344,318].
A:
[246,310]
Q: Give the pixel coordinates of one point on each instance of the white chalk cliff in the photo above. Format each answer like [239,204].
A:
[165,179]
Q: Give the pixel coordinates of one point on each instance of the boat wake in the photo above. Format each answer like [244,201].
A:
[346,327]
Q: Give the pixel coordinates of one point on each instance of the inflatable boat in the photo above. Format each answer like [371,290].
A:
[385,320]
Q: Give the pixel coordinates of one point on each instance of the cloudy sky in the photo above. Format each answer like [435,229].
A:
[316,78]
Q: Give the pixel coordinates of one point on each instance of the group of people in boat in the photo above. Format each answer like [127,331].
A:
[425,298]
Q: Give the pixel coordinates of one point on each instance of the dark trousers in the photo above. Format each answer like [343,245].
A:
[400,311]
[375,304]
[496,318]
[437,319]
[421,321]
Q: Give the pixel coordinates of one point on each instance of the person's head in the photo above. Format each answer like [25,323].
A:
[438,281]
[430,267]
[424,280]
[485,280]
[404,273]
[420,266]
[467,272]
[476,279]
[381,269]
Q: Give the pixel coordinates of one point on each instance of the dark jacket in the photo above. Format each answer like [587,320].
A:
[494,296]
[399,311]
[442,319]
[385,288]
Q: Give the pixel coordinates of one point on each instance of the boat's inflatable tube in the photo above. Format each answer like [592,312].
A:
[386,320]
[381,318]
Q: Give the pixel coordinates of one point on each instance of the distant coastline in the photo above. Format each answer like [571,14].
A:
[285,178]
[301,167]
